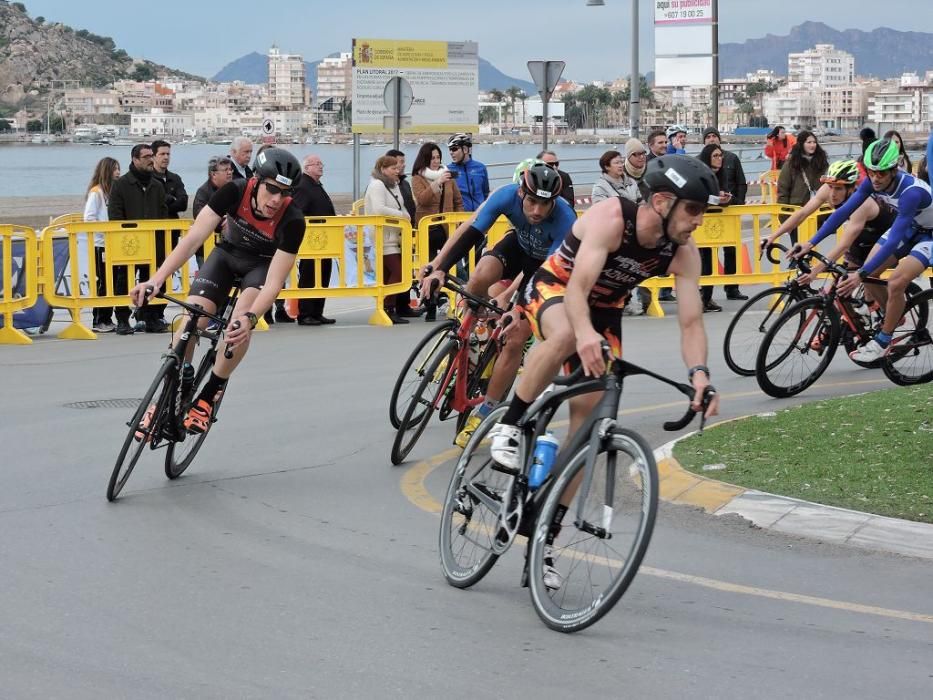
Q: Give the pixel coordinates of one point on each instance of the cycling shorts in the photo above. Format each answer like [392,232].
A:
[221,271]
[919,245]
[514,259]
[540,295]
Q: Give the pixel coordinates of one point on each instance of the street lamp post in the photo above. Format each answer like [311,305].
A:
[634,89]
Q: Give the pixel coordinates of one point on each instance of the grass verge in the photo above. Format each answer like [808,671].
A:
[872,452]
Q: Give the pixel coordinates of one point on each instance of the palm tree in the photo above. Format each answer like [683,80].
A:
[514,93]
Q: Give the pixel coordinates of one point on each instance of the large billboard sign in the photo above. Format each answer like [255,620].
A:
[444,81]
[683,42]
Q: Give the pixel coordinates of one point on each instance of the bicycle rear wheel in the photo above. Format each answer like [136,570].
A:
[413,370]
[159,394]
[797,348]
[909,359]
[180,453]
[750,323]
[599,555]
[422,404]
[470,517]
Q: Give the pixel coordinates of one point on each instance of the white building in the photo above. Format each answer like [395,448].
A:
[823,66]
[791,108]
[844,107]
[903,110]
[88,102]
[156,123]
[334,81]
[286,80]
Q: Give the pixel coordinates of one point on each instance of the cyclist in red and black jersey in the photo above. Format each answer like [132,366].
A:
[574,301]
[258,246]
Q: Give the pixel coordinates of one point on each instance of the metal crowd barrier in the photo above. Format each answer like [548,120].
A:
[19,262]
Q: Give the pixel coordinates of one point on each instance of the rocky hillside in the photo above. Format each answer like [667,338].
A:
[882,52]
[33,51]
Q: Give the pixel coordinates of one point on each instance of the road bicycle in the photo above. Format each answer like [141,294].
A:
[453,367]
[801,343]
[172,396]
[607,474]
[753,319]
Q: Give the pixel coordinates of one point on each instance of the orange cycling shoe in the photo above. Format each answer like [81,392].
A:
[142,430]
[199,415]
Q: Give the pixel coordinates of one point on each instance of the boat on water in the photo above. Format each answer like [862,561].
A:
[86,133]
[222,142]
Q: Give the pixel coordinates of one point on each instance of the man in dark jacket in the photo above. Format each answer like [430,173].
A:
[136,195]
[219,173]
[733,182]
[313,200]
[550,159]
[176,199]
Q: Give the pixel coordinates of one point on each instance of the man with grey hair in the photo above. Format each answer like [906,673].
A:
[313,200]
[550,159]
[241,150]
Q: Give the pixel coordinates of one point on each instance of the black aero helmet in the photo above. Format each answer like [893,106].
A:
[682,176]
[542,181]
[279,165]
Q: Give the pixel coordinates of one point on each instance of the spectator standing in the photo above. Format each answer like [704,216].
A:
[903,163]
[472,177]
[778,146]
[436,192]
[313,200]
[677,140]
[549,158]
[383,198]
[657,144]
[657,147]
[613,181]
[801,173]
[219,173]
[731,178]
[404,185]
[241,150]
[136,196]
[105,174]
[176,202]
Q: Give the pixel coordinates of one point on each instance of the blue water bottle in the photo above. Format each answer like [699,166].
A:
[546,447]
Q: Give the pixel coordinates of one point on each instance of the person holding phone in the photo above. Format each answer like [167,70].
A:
[713,155]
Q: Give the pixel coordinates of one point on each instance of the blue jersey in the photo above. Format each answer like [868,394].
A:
[473,181]
[910,197]
[536,240]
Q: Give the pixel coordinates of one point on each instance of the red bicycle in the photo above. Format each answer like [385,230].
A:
[455,376]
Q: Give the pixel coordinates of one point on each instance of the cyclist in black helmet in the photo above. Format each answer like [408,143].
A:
[541,218]
[259,243]
[574,301]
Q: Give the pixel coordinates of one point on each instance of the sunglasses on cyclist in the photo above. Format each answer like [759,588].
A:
[695,208]
[275,189]
[454,149]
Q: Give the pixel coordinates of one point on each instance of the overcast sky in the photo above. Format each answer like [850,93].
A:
[201,37]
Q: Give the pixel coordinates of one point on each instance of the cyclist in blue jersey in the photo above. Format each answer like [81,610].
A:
[471,175]
[540,219]
[907,246]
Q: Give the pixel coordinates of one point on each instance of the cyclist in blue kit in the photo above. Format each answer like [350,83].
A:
[540,219]
[907,246]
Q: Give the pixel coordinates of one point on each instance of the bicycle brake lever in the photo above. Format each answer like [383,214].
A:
[228,351]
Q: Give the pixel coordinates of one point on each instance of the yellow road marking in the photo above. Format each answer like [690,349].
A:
[413,488]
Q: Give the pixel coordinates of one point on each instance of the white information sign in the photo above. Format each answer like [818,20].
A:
[444,80]
[671,12]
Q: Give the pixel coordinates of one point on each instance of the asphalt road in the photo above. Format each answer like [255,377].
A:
[292,561]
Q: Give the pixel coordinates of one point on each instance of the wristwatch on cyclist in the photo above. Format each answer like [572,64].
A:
[862,273]
[698,368]
[253,319]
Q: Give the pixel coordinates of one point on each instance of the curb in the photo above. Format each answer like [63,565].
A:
[790,515]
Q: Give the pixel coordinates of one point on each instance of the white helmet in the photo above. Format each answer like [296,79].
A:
[675,129]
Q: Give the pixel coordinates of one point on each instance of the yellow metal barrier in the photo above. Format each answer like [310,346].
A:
[356,209]
[126,244]
[26,266]
[356,243]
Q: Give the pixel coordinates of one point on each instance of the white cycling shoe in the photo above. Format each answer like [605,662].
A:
[506,440]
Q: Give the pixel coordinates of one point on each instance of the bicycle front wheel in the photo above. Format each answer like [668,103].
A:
[470,518]
[159,395]
[909,359]
[605,533]
[424,400]
[413,370]
[180,453]
[749,325]
[798,348]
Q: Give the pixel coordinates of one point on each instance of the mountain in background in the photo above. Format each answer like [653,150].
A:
[882,53]
[254,68]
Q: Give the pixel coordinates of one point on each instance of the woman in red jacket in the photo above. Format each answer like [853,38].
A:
[778,146]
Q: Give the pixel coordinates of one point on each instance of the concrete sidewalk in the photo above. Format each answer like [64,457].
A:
[790,515]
